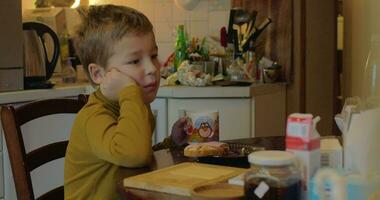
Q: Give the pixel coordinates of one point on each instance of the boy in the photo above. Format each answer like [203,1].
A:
[116,46]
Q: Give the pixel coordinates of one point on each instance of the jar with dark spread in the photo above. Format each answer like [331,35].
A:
[273,176]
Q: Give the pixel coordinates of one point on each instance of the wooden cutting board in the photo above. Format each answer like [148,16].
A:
[180,179]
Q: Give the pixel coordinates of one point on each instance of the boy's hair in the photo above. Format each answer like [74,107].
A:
[101,27]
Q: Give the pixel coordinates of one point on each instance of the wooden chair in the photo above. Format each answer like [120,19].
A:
[22,163]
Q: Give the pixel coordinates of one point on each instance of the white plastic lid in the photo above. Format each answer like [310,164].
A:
[271,158]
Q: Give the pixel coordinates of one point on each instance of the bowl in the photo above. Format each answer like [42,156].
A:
[207,67]
[271,74]
[218,191]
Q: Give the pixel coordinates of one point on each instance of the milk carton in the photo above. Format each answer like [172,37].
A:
[303,140]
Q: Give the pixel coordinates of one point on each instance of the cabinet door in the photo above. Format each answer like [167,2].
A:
[234,114]
[159,109]
[1,162]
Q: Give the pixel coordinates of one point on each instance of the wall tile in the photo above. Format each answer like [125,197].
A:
[180,14]
[132,3]
[147,7]
[164,50]
[199,29]
[206,18]
[217,20]
[164,31]
[163,10]
[200,12]
[116,2]
[219,5]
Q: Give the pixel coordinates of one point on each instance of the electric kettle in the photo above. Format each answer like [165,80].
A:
[38,68]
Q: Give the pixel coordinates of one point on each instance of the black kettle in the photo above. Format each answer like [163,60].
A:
[38,68]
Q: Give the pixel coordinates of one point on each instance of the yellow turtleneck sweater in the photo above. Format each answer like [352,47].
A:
[105,136]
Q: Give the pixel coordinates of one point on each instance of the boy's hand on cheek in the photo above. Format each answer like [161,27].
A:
[113,82]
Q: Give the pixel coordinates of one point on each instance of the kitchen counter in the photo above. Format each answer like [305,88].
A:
[219,91]
[66,90]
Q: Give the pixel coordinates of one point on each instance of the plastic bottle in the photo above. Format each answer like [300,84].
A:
[64,46]
[68,72]
[180,46]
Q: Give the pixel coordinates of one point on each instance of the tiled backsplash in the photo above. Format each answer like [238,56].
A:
[205,19]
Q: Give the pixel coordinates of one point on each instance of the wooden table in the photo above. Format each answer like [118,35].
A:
[167,158]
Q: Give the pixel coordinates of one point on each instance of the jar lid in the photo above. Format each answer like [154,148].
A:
[271,158]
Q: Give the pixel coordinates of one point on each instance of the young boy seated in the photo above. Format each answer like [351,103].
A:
[117,48]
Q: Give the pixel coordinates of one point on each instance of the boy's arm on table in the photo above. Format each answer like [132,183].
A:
[177,138]
[167,143]
[127,140]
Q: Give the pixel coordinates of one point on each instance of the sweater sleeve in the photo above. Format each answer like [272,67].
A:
[167,143]
[126,140]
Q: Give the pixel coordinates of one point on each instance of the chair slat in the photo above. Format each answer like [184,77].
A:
[47,107]
[55,194]
[46,154]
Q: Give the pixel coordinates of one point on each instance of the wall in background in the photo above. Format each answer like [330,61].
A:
[205,19]
[360,23]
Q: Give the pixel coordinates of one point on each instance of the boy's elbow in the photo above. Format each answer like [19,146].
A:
[135,159]
[140,160]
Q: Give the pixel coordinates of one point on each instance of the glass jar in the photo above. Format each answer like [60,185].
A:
[371,79]
[273,176]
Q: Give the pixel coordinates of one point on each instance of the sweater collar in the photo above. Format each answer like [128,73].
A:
[111,105]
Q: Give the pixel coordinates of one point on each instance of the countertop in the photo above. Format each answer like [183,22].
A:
[67,90]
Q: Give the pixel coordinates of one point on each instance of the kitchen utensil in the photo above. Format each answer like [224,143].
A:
[38,67]
[223,37]
[255,33]
[230,26]
[237,52]
[241,16]
[251,23]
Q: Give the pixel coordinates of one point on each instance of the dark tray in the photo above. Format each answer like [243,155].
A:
[237,156]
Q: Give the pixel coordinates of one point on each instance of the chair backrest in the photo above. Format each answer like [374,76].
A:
[22,163]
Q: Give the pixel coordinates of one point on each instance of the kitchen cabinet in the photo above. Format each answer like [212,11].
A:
[160,112]
[1,164]
[11,46]
[234,114]
[244,112]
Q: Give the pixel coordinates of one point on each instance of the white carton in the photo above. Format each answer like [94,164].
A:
[304,141]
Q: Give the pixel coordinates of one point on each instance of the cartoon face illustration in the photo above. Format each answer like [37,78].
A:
[205,129]
[204,126]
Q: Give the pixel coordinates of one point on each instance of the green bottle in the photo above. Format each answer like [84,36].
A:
[180,46]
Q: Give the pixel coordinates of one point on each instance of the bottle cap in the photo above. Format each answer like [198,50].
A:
[271,158]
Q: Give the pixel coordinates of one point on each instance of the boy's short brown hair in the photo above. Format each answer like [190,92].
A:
[101,27]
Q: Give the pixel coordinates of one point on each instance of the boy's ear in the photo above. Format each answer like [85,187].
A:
[96,72]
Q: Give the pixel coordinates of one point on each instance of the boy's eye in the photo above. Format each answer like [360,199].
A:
[134,61]
[154,56]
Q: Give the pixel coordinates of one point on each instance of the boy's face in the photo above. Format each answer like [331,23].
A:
[136,56]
